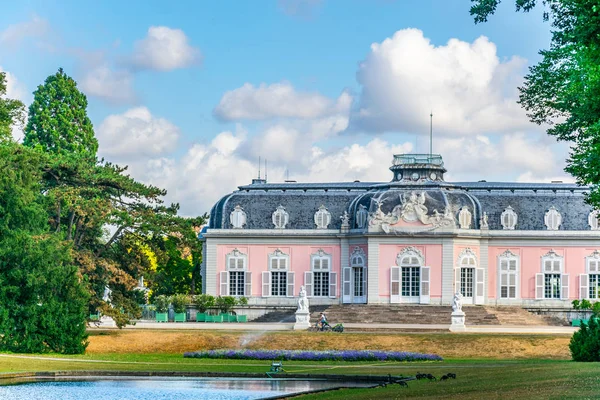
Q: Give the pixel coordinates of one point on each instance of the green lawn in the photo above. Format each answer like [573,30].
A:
[476,379]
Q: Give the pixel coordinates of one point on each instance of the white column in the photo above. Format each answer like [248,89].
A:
[209,282]
[373,272]
[344,263]
[447,271]
[483,263]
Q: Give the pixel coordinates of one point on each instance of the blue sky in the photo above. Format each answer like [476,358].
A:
[166,113]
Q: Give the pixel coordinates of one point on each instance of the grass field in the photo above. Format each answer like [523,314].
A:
[487,366]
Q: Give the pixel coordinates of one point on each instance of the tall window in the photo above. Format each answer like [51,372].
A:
[321,263]
[551,283]
[410,268]
[508,272]
[279,266]
[593,270]
[236,281]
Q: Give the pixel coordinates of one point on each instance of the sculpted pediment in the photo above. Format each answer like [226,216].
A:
[411,214]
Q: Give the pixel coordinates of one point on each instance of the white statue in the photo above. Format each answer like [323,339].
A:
[457,302]
[345,219]
[107,297]
[484,221]
[303,300]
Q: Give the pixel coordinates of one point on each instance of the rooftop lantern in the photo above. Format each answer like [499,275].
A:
[418,168]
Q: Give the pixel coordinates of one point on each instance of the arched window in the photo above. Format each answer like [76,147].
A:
[354,278]
[237,218]
[593,220]
[464,218]
[322,218]
[469,280]
[409,281]
[280,218]
[551,283]
[508,218]
[508,273]
[552,219]
[236,281]
[362,216]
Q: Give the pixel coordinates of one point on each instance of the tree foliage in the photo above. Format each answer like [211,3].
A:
[112,223]
[563,89]
[58,120]
[12,112]
[585,343]
[43,299]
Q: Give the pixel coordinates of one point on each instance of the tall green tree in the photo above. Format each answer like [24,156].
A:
[12,111]
[58,120]
[563,89]
[43,298]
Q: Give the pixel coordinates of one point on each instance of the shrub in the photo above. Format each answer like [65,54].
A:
[576,304]
[242,301]
[585,305]
[585,343]
[225,303]
[596,308]
[162,303]
[180,301]
[203,302]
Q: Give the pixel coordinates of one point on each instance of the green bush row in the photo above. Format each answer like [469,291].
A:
[585,305]
[202,302]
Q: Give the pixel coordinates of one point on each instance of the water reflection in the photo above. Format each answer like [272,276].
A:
[161,388]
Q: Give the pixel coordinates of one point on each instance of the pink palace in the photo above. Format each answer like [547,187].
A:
[416,239]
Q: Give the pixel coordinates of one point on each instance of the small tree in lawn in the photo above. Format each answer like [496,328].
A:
[585,343]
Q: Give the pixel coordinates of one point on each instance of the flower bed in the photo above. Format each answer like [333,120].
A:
[306,355]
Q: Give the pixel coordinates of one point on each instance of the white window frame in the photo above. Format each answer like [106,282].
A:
[552,219]
[410,257]
[316,265]
[236,261]
[509,213]
[280,218]
[592,267]
[509,256]
[276,259]
[540,279]
[322,217]
[468,259]
[358,259]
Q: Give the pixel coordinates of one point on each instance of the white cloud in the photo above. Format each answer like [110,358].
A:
[14,34]
[278,100]
[136,133]
[468,88]
[114,86]
[164,49]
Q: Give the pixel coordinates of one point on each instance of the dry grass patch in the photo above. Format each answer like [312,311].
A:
[447,345]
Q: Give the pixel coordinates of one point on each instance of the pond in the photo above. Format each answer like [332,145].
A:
[136,388]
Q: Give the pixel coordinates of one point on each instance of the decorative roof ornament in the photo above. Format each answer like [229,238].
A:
[483,222]
[238,217]
[507,253]
[464,218]
[280,218]
[345,221]
[362,215]
[552,219]
[508,218]
[322,218]
[593,220]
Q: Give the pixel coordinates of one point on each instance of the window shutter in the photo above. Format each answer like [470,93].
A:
[325,264]
[480,286]
[232,261]
[347,285]
[274,264]
[539,286]
[395,285]
[548,266]
[224,283]
[266,284]
[247,284]
[308,283]
[291,284]
[512,282]
[556,266]
[240,263]
[425,297]
[564,286]
[584,286]
[332,285]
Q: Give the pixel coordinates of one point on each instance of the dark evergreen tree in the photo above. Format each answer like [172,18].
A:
[58,120]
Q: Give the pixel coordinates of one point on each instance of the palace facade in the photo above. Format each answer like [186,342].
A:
[415,239]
